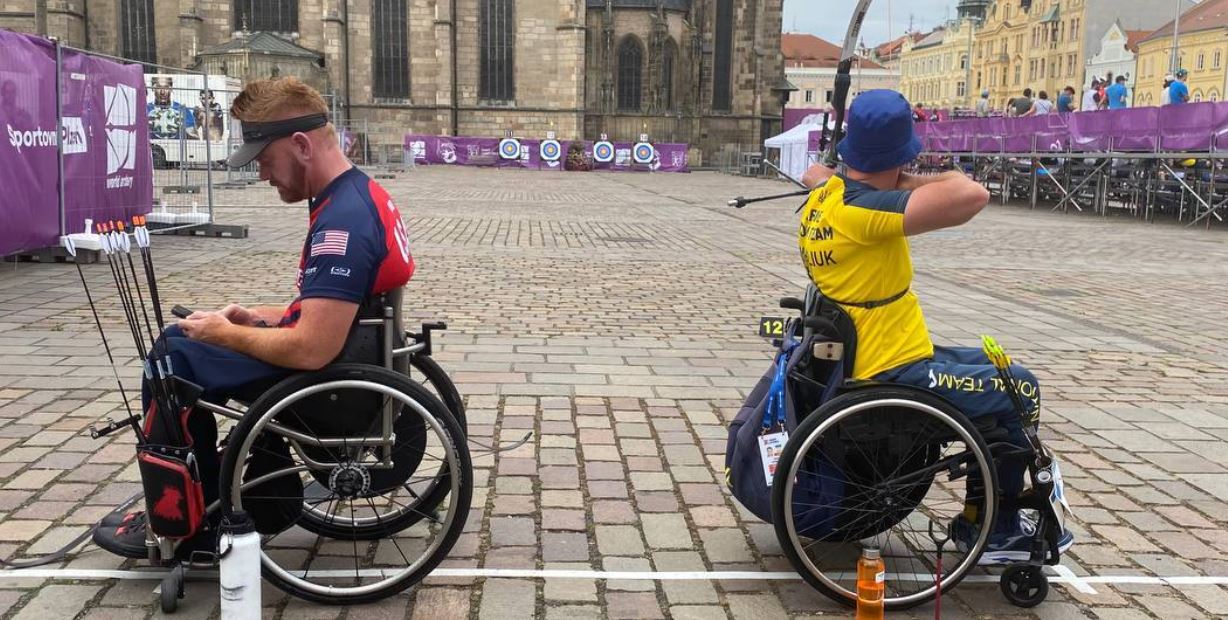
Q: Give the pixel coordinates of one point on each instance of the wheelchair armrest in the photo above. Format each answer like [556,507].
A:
[424,338]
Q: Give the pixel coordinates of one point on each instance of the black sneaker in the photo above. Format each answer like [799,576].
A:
[126,539]
[117,518]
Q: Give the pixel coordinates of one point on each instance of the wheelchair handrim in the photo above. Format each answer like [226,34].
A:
[445,526]
[950,576]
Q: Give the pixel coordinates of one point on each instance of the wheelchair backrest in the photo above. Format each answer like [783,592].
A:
[365,343]
[824,321]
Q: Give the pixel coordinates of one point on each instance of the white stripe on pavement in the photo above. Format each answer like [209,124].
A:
[1063,575]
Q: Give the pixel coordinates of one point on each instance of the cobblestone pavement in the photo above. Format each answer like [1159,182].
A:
[615,315]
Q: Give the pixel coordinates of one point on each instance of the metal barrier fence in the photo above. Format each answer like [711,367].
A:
[744,160]
[1189,187]
[188,132]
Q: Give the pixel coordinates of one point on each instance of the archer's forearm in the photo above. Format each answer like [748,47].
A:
[271,315]
[280,347]
[910,182]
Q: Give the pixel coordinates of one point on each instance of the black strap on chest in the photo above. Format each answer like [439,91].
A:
[870,305]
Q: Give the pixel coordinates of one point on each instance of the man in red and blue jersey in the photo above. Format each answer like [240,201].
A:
[356,247]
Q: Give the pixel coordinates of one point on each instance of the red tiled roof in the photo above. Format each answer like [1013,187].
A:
[807,50]
[1206,15]
[894,46]
[1133,37]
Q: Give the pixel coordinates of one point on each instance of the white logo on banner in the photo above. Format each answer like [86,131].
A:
[30,138]
[447,152]
[417,150]
[121,138]
[74,136]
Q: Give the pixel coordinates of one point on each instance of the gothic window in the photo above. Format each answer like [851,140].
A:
[136,24]
[266,15]
[630,74]
[389,49]
[722,94]
[668,56]
[496,28]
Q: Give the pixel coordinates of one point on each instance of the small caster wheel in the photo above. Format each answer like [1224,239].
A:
[1024,585]
[172,589]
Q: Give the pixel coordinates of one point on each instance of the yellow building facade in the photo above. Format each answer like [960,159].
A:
[934,69]
[1041,48]
[1204,53]
[1043,45]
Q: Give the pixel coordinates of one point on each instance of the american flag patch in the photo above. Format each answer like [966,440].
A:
[332,242]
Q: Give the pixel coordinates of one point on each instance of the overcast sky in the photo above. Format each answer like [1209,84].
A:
[829,19]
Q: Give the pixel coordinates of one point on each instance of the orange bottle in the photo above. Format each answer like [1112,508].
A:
[871,582]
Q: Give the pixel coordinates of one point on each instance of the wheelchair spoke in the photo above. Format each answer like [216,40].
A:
[845,481]
[424,515]
[307,429]
[354,538]
[393,538]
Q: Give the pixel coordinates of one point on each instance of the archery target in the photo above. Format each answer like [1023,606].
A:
[643,153]
[509,148]
[603,152]
[550,150]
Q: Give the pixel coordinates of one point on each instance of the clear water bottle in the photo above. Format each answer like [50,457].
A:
[871,583]
[240,568]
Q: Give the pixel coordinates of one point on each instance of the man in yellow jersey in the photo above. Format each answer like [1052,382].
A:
[854,242]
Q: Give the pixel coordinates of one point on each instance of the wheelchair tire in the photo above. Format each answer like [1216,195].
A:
[824,425]
[459,485]
[437,380]
[426,499]
[1024,585]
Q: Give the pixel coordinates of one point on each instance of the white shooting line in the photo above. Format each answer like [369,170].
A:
[1060,575]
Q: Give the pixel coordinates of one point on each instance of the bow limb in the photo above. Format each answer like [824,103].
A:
[844,81]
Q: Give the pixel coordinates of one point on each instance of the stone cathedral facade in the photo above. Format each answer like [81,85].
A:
[704,72]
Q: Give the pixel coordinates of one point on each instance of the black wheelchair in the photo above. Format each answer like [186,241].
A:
[360,470]
[892,467]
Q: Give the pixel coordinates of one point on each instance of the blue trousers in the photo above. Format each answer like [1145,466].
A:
[965,377]
[222,373]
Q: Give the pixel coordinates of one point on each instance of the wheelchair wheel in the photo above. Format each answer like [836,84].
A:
[270,470]
[424,490]
[882,467]
[431,376]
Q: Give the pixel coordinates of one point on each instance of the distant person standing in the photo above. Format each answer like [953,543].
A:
[982,104]
[1102,102]
[1165,99]
[1178,91]
[1065,101]
[1021,105]
[1089,96]
[1040,106]
[918,113]
[1118,94]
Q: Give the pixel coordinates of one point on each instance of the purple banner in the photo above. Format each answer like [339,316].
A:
[1190,128]
[814,140]
[108,173]
[794,116]
[29,165]
[467,151]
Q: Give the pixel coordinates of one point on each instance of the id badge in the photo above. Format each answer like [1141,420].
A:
[770,447]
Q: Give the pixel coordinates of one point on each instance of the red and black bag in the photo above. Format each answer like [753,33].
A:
[174,496]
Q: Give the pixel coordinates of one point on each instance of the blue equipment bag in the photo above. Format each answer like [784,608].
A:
[772,407]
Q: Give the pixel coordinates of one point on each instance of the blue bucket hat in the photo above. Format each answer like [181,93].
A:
[880,133]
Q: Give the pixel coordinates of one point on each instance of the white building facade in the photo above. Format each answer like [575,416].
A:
[816,85]
[1115,57]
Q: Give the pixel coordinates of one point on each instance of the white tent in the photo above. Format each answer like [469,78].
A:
[793,145]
